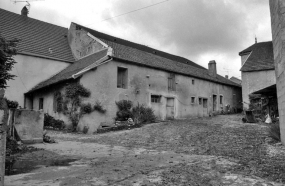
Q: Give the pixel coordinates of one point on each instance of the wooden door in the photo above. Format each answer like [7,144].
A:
[169,108]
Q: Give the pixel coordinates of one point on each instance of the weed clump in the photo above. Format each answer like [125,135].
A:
[274,131]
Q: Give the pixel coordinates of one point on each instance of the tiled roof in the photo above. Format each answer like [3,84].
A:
[260,58]
[236,80]
[143,55]
[104,37]
[67,73]
[139,54]
[36,36]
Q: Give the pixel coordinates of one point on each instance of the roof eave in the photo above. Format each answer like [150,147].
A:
[236,85]
[43,56]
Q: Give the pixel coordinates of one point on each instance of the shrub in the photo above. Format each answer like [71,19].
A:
[142,114]
[11,104]
[86,108]
[274,131]
[124,112]
[76,90]
[49,121]
[98,107]
[124,104]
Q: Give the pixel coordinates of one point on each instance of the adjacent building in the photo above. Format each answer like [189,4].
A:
[257,71]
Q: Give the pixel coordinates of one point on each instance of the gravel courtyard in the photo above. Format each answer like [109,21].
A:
[204,151]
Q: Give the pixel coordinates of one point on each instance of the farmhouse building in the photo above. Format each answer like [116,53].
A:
[114,69]
[258,76]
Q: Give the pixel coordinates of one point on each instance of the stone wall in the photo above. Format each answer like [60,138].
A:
[277,10]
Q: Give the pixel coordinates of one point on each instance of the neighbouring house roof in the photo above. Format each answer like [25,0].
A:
[38,38]
[74,68]
[260,57]
[137,54]
[236,80]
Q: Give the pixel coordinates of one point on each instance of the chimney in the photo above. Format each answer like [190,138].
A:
[24,11]
[212,68]
[226,76]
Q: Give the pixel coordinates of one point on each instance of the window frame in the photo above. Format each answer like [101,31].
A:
[221,99]
[193,100]
[155,98]
[41,103]
[200,101]
[171,82]
[122,77]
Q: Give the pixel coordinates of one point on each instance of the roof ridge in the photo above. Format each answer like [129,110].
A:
[250,48]
[142,47]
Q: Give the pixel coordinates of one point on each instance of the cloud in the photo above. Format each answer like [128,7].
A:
[197,28]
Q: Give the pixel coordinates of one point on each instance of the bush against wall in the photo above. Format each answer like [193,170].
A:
[124,112]
[50,122]
[140,113]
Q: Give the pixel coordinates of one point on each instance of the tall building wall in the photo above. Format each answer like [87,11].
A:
[277,10]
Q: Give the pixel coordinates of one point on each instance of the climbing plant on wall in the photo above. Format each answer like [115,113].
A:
[72,103]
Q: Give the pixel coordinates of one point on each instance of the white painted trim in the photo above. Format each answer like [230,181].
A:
[98,40]
[92,66]
[246,59]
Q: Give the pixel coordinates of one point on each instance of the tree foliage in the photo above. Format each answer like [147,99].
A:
[7,51]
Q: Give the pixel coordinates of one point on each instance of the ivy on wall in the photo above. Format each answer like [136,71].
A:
[70,103]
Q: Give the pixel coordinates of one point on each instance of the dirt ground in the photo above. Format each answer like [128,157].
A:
[203,151]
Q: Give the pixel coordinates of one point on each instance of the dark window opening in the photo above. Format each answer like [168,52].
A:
[205,103]
[221,100]
[122,78]
[200,101]
[41,103]
[155,98]
[192,100]
[214,102]
[193,82]
[171,82]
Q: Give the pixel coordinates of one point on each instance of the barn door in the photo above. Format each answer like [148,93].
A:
[170,108]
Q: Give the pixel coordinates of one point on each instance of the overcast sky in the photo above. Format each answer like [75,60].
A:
[199,30]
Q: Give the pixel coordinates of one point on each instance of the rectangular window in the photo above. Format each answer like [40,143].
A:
[192,100]
[171,82]
[205,103]
[193,82]
[200,101]
[41,103]
[221,99]
[122,78]
[155,98]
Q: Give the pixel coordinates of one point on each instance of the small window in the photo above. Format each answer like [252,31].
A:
[155,98]
[41,103]
[193,82]
[192,100]
[221,99]
[122,78]
[200,101]
[171,82]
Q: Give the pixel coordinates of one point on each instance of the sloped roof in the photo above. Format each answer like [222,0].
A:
[139,54]
[236,80]
[104,37]
[144,55]
[260,58]
[74,68]
[36,36]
